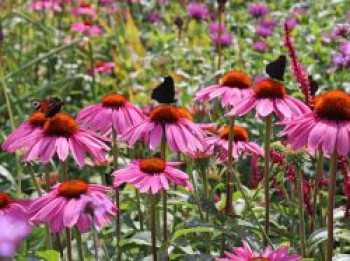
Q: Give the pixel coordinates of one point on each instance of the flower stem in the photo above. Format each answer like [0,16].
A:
[319,174]
[229,206]
[95,239]
[115,151]
[152,199]
[69,245]
[331,195]
[139,208]
[79,245]
[301,212]
[220,15]
[164,193]
[268,122]
[93,85]
[68,234]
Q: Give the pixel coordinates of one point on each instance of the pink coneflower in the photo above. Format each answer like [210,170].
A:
[87,28]
[225,39]
[41,5]
[326,128]
[180,132]
[233,87]
[261,46]
[197,11]
[12,207]
[258,9]
[84,8]
[13,231]
[270,96]
[114,111]
[34,124]
[74,202]
[151,175]
[245,253]
[242,145]
[104,67]
[61,135]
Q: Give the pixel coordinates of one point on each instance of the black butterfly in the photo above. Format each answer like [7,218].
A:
[49,106]
[313,86]
[276,68]
[165,92]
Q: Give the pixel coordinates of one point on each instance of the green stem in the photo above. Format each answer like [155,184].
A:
[8,103]
[95,239]
[331,196]
[319,174]
[139,208]
[69,245]
[64,170]
[301,212]
[268,132]
[220,15]
[79,245]
[229,205]
[165,196]
[93,85]
[205,181]
[153,225]
[47,177]
[115,151]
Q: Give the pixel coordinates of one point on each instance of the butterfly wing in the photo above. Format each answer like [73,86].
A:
[55,106]
[276,68]
[165,92]
[313,86]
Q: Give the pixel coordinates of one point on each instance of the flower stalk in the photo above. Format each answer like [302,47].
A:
[268,132]
[331,198]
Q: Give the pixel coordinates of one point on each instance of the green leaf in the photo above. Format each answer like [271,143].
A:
[48,255]
[183,232]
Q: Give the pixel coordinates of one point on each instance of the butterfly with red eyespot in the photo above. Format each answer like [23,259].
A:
[49,106]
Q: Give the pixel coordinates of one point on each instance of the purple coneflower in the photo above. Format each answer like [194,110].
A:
[114,111]
[61,135]
[233,87]
[84,8]
[180,132]
[151,175]
[87,28]
[74,202]
[245,253]
[270,96]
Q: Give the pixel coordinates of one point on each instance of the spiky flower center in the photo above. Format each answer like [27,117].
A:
[37,119]
[259,259]
[185,113]
[85,5]
[333,105]
[236,79]
[88,22]
[99,64]
[73,188]
[5,200]
[165,114]
[113,101]
[240,133]
[269,88]
[61,125]
[152,166]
